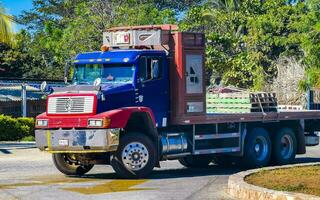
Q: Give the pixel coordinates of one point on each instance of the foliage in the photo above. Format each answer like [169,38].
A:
[246,38]
[58,30]
[12,129]
[6,35]
[28,138]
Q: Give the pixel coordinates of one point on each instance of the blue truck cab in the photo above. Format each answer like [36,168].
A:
[128,78]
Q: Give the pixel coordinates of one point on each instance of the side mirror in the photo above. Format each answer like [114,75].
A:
[66,71]
[96,84]
[43,86]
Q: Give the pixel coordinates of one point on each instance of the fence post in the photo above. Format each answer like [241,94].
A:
[24,100]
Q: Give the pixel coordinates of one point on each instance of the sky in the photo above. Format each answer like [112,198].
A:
[15,7]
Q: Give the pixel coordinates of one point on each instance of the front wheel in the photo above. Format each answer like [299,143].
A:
[135,156]
[68,164]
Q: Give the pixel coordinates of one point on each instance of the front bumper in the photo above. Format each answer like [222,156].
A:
[77,141]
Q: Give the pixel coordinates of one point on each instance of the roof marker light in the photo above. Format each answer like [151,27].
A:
[91,60]
[99,60]
[107,59]
[104,48]
[126,60]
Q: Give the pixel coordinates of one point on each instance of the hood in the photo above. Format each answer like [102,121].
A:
[107,88]
[75,89]
[111,88]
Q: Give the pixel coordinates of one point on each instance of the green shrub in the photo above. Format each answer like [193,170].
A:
[27,126]
[28,139]
[12,129]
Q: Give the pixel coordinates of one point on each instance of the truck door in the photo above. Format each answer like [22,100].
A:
[153,86]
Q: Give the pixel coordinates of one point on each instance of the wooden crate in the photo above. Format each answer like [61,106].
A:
[241,102]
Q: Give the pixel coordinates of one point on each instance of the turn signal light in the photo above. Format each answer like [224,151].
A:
[104,48]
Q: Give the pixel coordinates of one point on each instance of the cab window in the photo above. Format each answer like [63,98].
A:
[150,68]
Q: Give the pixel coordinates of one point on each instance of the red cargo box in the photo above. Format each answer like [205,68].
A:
[187,76]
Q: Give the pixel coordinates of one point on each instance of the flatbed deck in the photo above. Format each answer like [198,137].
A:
[249,117]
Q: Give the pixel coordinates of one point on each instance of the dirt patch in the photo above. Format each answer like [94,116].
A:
[304,179]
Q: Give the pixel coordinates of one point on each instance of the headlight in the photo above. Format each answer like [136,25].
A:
[95,122]
[99,123]
[41,123]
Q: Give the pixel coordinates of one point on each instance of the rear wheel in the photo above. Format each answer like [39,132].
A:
[69,165]
[196,161]
[135,156]
[284,146]
[257,149]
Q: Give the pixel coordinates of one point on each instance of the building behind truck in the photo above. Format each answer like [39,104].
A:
[142,100]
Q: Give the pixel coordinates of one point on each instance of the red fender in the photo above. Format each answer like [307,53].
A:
[118,118]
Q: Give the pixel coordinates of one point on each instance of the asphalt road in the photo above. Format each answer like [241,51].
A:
[27,173]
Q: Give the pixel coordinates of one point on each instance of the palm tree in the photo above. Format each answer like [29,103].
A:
[222,5]
[6,33]
[227,5]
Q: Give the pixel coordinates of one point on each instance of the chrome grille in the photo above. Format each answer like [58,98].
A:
[72,105]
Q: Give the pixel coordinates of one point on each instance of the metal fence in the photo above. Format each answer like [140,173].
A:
[22,97]
[13,108]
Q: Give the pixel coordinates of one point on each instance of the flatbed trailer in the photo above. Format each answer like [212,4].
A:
[309,115]
[142,100]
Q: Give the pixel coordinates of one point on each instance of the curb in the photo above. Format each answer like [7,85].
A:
[239,189]
[16,142]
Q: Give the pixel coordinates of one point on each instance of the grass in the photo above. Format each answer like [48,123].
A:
[304,179]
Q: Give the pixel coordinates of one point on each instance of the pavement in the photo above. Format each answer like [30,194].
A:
[27,173]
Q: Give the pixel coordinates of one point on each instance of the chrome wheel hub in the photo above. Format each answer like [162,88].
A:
[135,156]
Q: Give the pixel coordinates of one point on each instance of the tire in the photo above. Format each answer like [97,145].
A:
[226,160]
[68,166]
[257,149]
[196,161]
[284,147]
[135,157]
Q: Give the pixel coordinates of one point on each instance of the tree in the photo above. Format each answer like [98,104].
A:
[6,34]
[61,29]
[246,38]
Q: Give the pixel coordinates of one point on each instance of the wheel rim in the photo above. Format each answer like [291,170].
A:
[286,148]
[70,159]
[135,156]
[261,148]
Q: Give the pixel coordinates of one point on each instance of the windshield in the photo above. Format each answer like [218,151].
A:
[113,73]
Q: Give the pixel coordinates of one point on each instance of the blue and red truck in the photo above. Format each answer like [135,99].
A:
[142,100]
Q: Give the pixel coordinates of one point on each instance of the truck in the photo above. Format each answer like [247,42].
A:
[142,100]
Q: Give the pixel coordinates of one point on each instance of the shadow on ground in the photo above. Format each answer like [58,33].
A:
[212,170]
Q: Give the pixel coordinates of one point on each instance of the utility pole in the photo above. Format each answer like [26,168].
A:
[24,100]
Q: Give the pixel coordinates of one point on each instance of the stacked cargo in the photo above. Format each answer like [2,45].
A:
[241,102]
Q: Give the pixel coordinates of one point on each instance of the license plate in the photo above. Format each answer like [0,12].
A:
[63,142]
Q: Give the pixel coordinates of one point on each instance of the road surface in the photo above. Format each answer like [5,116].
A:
[27,173]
